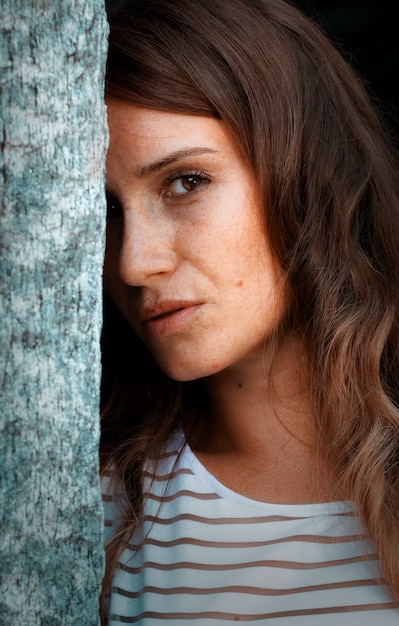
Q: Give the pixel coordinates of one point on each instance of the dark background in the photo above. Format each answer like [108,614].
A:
[367,34]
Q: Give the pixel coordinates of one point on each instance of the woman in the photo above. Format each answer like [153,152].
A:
[251,427]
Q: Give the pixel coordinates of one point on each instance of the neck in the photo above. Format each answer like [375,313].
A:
[255,403]
[259,438]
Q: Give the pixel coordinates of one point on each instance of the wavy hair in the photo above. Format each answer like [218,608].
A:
[329,181]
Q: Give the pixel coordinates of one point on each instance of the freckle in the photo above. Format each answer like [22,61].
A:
[239,283]
[240,385]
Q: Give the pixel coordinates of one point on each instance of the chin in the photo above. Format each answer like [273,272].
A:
[183,376]
[185,372]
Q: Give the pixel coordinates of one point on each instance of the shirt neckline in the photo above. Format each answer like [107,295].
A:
[190,459]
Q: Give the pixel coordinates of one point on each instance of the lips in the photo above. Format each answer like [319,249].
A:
[168,317]
[157,317]
[163,309]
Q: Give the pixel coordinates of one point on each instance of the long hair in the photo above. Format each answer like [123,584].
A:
[328,181]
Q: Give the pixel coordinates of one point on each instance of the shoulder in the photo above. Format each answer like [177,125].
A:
[158,477]
[110,506]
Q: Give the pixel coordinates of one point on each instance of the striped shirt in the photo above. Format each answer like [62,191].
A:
[209,555]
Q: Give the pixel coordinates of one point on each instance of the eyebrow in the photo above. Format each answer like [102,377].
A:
[151,168]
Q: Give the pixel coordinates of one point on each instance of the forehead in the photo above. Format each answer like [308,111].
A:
[148,134]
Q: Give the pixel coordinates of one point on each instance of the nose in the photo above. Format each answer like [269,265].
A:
[148,247]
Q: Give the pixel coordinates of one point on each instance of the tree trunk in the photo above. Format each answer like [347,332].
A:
[52,56]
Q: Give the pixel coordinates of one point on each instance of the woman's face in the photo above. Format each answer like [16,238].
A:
[188,262]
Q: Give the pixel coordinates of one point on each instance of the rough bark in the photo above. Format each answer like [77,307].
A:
[52,133]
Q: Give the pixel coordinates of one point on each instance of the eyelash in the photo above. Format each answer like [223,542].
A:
[184,174]
[114,208]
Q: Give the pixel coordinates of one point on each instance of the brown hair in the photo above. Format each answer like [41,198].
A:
[329,182]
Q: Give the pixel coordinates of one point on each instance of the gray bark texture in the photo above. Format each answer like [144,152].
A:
[53,141]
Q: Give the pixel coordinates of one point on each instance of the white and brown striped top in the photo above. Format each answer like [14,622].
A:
[208,555]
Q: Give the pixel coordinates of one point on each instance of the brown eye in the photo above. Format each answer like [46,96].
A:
[190,182]
[185,184]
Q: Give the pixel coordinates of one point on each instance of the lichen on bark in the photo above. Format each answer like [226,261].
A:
[53,141]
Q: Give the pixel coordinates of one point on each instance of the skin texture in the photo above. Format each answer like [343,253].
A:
[189,265]
[196,242]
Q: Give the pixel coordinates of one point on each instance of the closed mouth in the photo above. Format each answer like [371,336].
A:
[157,317]
[167,318]
[163,308]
